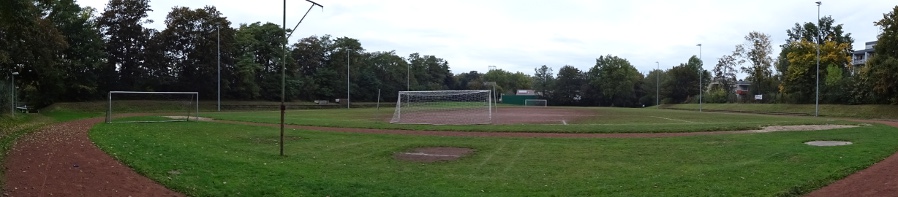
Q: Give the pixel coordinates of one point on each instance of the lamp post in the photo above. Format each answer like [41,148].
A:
[347,78]
[408,76]
[12,94]
[218,32]
[658,87]
[284,65]
[701,71]
[817,97]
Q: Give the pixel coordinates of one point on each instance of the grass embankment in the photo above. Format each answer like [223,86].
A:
[603,120]
[847,111]
[215,159]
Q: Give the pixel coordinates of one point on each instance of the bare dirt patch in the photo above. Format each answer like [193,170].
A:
[802,128]
[191,118]
[433,154]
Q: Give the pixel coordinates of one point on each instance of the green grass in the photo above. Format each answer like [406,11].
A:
[606,120]
[848,111]
[215,159]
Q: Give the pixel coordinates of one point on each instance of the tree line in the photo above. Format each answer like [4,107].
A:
[65,52]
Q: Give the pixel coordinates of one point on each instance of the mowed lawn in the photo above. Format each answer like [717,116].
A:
[216,159]
[602,120]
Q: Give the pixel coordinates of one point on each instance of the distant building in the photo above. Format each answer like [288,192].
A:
[860,57]
[740,88]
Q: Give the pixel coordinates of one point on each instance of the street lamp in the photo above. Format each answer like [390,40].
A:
[218,32]
[658,86]
[12,94]
[408,76]
[817,99]
[347,78]
[701,70]
[284,64]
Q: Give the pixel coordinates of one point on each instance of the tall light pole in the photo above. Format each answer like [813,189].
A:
[701,70]
[347,78]
[284,64]
[658,86]
[12,95]
[218,32]
[817,98]
[408,76]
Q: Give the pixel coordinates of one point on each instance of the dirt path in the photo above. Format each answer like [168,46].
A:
[61,160]
[877,180]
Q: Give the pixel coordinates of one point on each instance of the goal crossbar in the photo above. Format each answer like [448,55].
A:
[195,99]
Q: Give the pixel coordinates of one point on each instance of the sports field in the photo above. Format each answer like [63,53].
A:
[219,159]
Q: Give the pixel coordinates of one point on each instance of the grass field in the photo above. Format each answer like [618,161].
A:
[215,159]
[605,120]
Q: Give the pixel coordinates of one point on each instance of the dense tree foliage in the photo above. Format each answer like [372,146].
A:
[65,52]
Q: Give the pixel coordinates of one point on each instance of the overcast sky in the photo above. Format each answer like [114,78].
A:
[520,35]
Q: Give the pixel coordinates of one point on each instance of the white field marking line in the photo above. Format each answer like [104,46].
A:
[431,155]
[672,119]
[564,122]
[491,155]
[516,156]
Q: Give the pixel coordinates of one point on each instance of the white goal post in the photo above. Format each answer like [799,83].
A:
[444,107]
[186,107]
[535,102]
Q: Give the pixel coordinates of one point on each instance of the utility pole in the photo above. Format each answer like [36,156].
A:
[284,65]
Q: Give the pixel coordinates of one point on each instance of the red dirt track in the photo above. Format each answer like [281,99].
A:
[61,160]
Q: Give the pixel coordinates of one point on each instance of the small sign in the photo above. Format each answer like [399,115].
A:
[759,97]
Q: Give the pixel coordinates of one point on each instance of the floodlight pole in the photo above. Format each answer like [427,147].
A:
[284,65]
[218,31]
[701,70]
[408,76]
[658,86]
[347,78]
[12,92]
[817,97]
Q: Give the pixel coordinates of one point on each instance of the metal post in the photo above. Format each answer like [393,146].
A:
[378,98]
[817,98]
[408,76]
[701,71]
[347,78]
[218,31]
[283,79]
[658,87]
[109,109]
[13,93]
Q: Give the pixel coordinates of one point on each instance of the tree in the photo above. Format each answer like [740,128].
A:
[884,70]
[191,49]
[799,81]
[258,69]
[682,82]
[651,83]
[567,86]
[617,80]
[758,50]
[543,81]
[811,32]
[126,38]
[725,72]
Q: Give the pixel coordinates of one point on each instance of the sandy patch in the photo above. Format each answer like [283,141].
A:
[801,128]
[191,118]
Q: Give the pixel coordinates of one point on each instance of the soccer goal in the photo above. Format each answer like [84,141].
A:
[535,102]
[444,107]
[169,106]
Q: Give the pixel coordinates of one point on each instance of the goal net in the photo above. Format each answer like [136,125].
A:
[535,102]
[443,107]
[161,106]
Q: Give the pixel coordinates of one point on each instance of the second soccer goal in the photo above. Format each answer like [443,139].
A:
[535,102]
[444,107]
